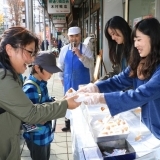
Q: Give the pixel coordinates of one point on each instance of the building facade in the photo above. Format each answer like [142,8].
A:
[132,11]
[93,15]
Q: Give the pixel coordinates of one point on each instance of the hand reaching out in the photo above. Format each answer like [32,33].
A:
[72,104]
[91,98]
[89,88]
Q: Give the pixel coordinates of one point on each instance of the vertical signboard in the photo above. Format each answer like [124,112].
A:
[59,18]
[58,6]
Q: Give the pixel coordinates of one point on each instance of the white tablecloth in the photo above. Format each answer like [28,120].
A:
[82,136]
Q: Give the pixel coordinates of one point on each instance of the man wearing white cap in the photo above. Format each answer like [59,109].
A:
[76,61]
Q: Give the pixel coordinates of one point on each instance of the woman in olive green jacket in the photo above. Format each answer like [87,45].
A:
[18,48]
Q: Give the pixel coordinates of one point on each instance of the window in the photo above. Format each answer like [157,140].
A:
[143,8]
[86,7]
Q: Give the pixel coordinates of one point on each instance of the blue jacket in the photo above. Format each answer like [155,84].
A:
[145,94]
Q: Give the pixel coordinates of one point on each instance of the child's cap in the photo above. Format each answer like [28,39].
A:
[47,61]
[74,30]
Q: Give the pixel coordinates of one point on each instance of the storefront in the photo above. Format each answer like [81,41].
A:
[90,21]
[143,8]
[92,15]
[110,8]
[132,11]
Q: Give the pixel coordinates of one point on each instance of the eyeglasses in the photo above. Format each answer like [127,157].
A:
[32,53]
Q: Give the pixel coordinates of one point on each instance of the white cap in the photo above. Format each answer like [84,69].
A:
[74,30]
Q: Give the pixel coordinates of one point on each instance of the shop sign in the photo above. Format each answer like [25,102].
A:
[58,6]
[59,18]
[58,25]
[59,29]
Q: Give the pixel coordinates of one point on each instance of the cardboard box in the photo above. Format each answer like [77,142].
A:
[96,152]
[92,153]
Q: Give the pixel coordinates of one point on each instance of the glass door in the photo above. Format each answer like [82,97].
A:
[140,9]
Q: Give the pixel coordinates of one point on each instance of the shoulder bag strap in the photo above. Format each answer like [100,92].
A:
[37,86]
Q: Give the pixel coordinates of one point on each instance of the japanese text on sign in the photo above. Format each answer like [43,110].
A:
[59,19]
[58,6]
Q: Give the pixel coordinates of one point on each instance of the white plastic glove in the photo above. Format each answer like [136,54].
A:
[89,88]
[91,98]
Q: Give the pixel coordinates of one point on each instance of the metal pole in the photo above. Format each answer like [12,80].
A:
[29,14]
[89,19]
[126,10]
[101,14]
[52,29]
[83,21]
[29,17]
[33,9]
[101,38]
[39,21]
[50,48]
[44,30]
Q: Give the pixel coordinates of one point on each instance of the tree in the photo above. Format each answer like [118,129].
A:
[1,18]
[1,23]
[16,10]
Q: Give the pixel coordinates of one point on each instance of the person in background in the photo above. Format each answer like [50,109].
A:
[142,74]
[75,60]
[59,45]
[44,45]
[18,48]
[54,42]
[39,141]
[118,33]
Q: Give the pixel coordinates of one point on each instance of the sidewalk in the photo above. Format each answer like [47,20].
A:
[61,147]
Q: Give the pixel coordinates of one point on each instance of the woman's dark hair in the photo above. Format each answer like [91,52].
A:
[115,50]
[151,28]
[16,37]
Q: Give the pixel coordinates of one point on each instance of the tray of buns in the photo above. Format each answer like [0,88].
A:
[103,126]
